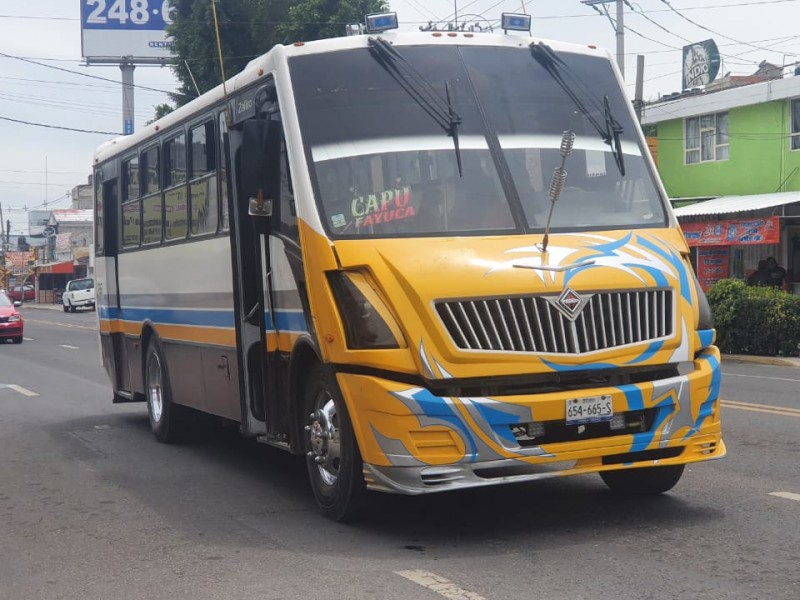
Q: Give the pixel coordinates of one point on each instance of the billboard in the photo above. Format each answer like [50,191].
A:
[733,232]
[134,31]
[700,64]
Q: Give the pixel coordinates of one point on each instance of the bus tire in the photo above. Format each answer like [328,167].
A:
[335,468]
[165,417]
[644,481]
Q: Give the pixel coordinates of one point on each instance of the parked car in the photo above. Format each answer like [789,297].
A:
[22,293]
[78,293]
[11,322]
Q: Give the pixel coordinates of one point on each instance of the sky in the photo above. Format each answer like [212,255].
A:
[44,80]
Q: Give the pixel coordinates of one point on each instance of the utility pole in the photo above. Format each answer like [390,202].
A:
[620,27]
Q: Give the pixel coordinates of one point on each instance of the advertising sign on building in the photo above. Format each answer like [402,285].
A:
[134,31]
[713,264]
[737,232]
[700,64]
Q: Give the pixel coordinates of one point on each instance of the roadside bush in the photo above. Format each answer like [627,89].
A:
[755,320]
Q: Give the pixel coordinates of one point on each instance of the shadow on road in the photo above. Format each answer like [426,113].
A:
[227,488]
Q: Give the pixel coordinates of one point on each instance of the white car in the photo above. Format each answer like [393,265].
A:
[78,293]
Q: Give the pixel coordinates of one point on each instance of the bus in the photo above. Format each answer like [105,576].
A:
[427,261]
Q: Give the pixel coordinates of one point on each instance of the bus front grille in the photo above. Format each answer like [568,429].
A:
[586,322]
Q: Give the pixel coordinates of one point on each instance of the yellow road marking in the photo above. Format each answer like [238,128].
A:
[762,408]
[71,325]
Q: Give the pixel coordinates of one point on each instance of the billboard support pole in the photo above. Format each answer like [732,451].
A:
[127,97]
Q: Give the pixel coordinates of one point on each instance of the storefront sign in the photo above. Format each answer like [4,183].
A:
[713,264]
[733,232]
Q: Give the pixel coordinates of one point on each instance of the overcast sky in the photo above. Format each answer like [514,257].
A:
[40,165]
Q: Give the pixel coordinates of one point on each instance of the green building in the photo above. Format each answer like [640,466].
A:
[736,152]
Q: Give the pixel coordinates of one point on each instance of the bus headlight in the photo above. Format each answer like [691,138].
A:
[367,322]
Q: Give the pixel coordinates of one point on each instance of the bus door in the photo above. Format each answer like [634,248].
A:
[107,290]
[256,334]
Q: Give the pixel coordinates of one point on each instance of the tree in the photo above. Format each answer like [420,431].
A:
[248,28]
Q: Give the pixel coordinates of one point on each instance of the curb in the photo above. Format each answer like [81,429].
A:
[776,361]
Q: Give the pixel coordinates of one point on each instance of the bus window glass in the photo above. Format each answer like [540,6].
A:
[130,224]
[151,219]
[203,186]
[99,213]
[176,205]
[151,181]
[384,166]
[223,175]
[151,197]
[130,179]
[175,160]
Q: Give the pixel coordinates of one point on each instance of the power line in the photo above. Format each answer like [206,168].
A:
[704,28]
[59,127]
[34,62]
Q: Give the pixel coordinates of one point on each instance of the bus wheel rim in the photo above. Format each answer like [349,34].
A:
[154,389]
[323,434]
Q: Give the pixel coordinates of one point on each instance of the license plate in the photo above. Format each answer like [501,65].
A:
[589,410]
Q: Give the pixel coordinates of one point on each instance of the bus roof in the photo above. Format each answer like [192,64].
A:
[266,63]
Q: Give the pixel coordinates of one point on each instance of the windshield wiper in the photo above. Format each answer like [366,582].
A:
[420,89]
[610,130]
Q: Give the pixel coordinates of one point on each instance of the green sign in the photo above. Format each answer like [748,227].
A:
[700,64]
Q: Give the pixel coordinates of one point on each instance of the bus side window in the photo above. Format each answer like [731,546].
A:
[223,175]
[131,218]
[175,193]
[99,214]
[152,205]
[203,179]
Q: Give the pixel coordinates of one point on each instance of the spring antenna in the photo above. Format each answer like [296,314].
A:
[557,184]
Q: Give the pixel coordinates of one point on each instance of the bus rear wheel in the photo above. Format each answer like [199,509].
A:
[335,468]
[644,481]
[165,417]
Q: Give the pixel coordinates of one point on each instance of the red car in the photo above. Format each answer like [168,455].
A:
[23,293]
[11,322]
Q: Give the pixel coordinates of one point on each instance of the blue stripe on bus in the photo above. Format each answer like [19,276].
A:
[286,320]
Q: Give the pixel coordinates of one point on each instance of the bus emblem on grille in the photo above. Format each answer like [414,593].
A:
[570,303]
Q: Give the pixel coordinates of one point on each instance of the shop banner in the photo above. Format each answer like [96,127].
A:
[736,232]
[713,264]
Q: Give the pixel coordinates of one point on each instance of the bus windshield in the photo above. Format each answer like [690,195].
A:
[384,166]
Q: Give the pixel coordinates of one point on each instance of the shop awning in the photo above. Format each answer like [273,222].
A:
[732,204]
[63,268]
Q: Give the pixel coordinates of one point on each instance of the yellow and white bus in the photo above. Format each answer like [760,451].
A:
[427,261]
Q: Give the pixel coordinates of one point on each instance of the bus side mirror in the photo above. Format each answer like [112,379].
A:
[260,165]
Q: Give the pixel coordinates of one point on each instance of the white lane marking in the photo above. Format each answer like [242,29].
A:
[440,585]
[787,495]
[27,339]
[68,347]
[759,377]
[22,390]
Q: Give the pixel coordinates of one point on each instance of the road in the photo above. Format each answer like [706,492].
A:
[92,508]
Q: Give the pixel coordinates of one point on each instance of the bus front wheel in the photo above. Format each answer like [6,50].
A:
[333,459]
[165,417]
[644,481]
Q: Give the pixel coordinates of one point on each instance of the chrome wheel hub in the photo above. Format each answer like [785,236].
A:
[155,396]
[323,439]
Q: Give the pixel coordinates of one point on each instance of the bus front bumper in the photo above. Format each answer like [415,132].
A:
[415,442]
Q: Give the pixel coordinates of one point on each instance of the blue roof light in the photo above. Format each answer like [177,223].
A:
[515,22]
[381,22]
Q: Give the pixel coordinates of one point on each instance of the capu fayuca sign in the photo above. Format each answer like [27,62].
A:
[700,64]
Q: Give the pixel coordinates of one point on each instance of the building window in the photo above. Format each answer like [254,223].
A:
[795,108]
[707,138]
